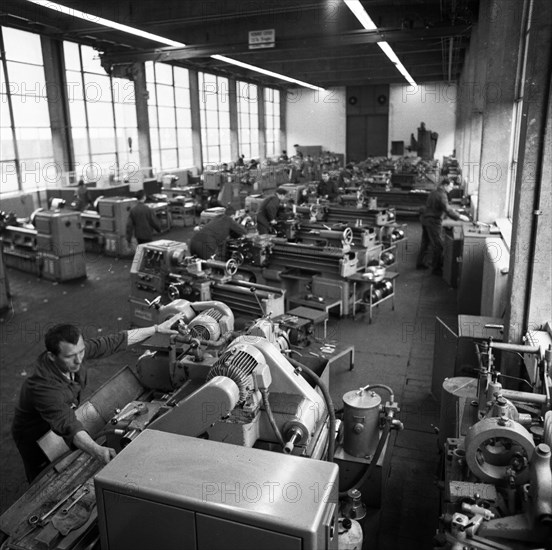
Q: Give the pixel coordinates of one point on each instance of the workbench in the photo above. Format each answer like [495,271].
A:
[318,360]
[316,302]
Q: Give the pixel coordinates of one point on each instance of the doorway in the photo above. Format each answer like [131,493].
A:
[367,136]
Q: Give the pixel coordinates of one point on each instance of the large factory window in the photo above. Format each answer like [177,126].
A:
[214,108]
[169,116]
[26,151]
[248,119]
[162,115]
[103,116]
[272,121]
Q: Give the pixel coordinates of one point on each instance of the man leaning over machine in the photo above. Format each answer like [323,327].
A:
[51,394]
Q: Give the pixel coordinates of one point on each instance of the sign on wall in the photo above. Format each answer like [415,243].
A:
[265,38]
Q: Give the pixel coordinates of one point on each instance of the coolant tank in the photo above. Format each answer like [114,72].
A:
[360,420]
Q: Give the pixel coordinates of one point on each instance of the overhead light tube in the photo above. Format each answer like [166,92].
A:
[72,12]
[366,21]
[143,34]
[265,72]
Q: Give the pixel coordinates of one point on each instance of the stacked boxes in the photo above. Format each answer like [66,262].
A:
[60,244]
[113,220]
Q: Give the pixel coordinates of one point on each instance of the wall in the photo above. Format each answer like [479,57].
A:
[432,103]
[316,118]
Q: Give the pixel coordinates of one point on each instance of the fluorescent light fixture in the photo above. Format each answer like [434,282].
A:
[106,22]
[137,32]
[366,21]
[358,9]
[266,72]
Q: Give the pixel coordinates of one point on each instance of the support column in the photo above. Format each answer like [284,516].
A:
[142,115]
[56,90]
[530,264]
[262,123]
[283,126]
[500,90]
[233,94]
[476,94]
[196,120]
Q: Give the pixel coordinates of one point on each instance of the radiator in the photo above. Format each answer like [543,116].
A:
[496,262]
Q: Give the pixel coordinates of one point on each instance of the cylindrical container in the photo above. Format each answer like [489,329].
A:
[360,422]
[350,535]
[454,389]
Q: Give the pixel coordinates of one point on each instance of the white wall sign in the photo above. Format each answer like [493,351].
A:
[262,39]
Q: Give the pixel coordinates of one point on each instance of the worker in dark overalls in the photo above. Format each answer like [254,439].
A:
[436,208]
[206,241]
[268,211]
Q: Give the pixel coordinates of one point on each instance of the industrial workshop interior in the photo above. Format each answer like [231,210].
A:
[276,275]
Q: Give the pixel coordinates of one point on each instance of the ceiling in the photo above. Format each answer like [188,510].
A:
[319,42]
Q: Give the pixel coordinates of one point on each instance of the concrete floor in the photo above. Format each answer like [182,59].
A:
[396,349]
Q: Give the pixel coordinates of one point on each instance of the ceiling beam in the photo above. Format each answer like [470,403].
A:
[355,38]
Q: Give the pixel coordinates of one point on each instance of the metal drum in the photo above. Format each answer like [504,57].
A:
[360,419]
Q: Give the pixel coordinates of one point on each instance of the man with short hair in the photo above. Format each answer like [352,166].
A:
[51,394]
[268,211]
[327,188]
[436,208]
[82,197]
[142,221]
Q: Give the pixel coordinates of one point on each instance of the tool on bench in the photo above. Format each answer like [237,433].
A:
[37,521]
[65,510]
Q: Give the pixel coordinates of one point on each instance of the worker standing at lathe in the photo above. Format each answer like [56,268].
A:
[327,188]
[142,221]
[436,208]
[268,211]
[51,394]
[206,241]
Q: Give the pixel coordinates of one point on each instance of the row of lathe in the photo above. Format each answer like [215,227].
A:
[54,243]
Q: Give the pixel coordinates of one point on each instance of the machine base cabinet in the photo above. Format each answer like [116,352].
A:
[65,268]
[222,496]
[117,245]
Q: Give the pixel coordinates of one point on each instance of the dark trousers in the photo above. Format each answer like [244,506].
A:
[432,241]
[34,460]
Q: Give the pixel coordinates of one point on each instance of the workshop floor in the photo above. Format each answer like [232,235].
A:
[396,349]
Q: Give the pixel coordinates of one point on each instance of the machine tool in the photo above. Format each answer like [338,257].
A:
[252,250]
[333,261]
[497,470]
[164,268]
[206,419]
